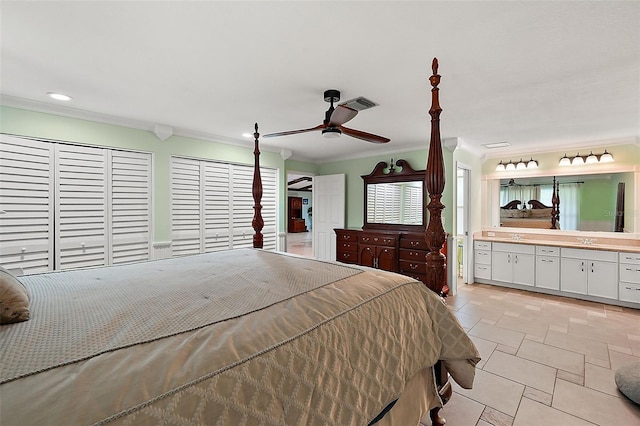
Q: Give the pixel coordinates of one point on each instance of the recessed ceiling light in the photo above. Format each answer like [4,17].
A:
[247,135]
[59,96]
[497,145]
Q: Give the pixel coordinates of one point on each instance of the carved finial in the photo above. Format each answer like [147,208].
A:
[256,135]
[435,78]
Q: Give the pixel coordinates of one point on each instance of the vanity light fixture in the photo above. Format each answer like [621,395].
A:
[565,161]
[577,160]
[606,157]
[520,165]
[592,158]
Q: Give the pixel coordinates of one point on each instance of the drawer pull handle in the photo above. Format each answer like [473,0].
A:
[412,266]
[629,269]
[365,238]
[631,288]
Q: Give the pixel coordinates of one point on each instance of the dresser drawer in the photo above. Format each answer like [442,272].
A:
[482,271]
[630,273]
[413,267]
[413,255]
[482,245]
[547,251]
[482,257]
[414,242]
[347,246]
[347,257]
[631,258]
[379,240]
[346,236]
[629,292]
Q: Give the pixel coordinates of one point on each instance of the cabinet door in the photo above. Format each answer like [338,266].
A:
[573,275]
[387,259]
[501,266]
[523,268]
[367,255]
[602,279]
[548,272]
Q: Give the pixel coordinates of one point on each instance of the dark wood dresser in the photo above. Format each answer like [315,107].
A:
[396,251]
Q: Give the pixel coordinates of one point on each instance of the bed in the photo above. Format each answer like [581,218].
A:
[240,337]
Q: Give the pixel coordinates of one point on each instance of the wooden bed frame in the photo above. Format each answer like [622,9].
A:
[536,205]
[435,235]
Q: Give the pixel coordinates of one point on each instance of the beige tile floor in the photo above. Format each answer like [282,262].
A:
[546,360]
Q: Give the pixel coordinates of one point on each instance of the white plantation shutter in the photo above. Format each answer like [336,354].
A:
[212,206]
[269,203]
[81,206]
[216,206]
[130,206]
[412,201]
[185,206]
[70,206]
[26,197]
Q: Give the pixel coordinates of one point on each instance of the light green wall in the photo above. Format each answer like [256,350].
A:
[49,126]
[598,192]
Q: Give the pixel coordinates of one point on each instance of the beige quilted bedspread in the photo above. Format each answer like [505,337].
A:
[329,351]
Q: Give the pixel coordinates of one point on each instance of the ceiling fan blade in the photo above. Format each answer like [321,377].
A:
[293,132]
[340,115]
[369,137]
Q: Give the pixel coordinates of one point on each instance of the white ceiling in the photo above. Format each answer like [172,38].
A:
[539,75]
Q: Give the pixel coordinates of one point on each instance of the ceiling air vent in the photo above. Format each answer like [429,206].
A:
[359,104]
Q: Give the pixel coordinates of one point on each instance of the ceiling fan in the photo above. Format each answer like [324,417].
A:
[334,118]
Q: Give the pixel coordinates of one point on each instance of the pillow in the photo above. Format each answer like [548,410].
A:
[14,299]
[541,212]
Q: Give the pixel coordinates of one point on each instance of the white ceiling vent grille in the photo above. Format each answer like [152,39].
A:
[359,104]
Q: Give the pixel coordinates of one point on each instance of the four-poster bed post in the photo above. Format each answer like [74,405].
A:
[434,182]
[257,222]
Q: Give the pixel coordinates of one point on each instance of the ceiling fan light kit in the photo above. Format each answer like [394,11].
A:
[331,132]
[335,117]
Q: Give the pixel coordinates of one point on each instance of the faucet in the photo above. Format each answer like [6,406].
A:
[586,241]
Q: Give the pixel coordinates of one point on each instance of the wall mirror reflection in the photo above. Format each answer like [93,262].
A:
[394,196]
[596,202]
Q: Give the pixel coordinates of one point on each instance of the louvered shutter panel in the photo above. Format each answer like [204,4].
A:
[185,206]
[241,201]
[269,203]
[26,197]
[130,192]
[216,206]
[412,200]
[81,206]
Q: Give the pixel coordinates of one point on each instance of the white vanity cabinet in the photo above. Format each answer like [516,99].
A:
[629,284]
[590,272]
[513,263]
[482,259]
[548,267]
